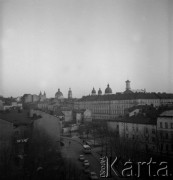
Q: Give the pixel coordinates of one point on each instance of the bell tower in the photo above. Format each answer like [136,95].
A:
[128,85]
[69,94]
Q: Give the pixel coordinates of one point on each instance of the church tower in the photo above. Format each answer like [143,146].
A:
[128,85]
[44,94]
[69,94]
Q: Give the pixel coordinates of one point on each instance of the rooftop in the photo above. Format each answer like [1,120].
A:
[139,120]
[167,114]
[124,96]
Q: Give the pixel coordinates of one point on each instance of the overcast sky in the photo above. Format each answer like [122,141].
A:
[81,44]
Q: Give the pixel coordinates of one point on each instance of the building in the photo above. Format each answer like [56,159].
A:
[82,115]
[42,97]
[29,98]
[1,104]
[6,134]
[19,125]
[138,130]
[68,114]
[165,132]
[110,106]
[35,98]
[9,103]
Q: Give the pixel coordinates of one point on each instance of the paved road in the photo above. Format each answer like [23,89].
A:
[74,149]
[72,152]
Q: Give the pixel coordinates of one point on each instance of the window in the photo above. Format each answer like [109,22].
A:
[160,124]
[146,130]
[161,135]
[166,135]
[166,125]
[167,147]
[137,129]
[171,125]
[133,137]
[153,131]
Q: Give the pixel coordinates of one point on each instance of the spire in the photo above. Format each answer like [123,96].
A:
[70,94]
[40,93]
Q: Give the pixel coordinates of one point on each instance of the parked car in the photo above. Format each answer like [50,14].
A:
[86,163]
[81,157]
[93,176]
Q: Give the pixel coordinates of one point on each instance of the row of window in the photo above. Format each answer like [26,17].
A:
[166,147]
[166,125]
[166,135]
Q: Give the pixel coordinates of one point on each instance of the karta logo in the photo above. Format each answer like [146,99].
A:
[105,171]
[133,169]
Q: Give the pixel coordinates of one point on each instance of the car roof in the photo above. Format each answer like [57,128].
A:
[93,172]
[86,146]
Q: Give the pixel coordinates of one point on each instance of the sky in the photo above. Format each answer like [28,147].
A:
[81,44]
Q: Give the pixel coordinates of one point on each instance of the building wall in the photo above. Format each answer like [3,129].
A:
[28,98]
[165,134]
[145,134]
[78,118]
[87,115]
[109,110]
[35,98]
[42,106]
[68,115]
[6,134]
[1,105]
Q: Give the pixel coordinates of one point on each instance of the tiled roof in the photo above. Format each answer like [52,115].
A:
[130,96]
[167,113]
[79,110]
[139,120]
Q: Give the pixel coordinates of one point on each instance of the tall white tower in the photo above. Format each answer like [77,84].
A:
[128,85]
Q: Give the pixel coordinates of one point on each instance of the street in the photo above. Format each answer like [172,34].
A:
[72,150]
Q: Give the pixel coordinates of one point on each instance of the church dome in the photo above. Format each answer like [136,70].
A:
[99,92]
[93,92]
[108,90]
[59,95]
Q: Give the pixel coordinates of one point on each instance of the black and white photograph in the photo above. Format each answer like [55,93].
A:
[86,89]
